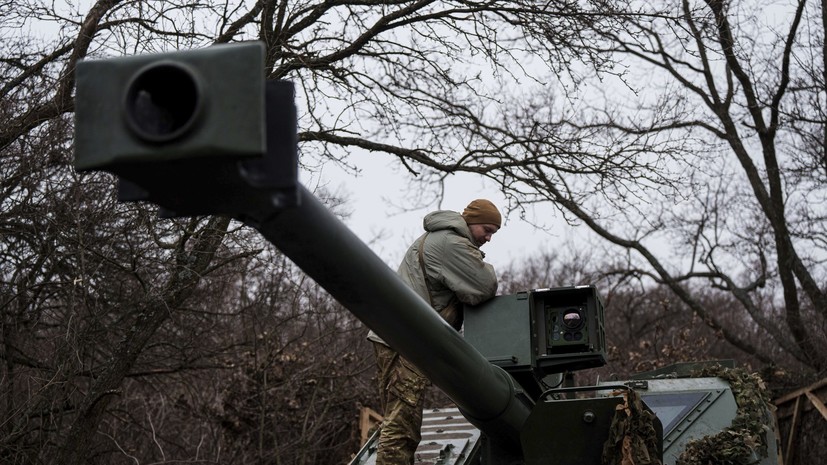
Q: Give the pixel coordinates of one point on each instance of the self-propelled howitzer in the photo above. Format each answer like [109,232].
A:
[202,132]
[160,123]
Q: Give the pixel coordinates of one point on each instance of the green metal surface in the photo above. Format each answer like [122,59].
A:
[568,432]
[500,330]
[528,332]
[691,408]
[199,103]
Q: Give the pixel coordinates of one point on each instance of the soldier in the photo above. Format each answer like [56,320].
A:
[445,266]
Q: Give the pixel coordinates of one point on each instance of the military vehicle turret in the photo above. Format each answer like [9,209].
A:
[202,132]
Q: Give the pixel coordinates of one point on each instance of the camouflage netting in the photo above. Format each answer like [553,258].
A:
[632,439]
[745,442]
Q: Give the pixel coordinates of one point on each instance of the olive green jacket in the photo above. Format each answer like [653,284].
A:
[454,263]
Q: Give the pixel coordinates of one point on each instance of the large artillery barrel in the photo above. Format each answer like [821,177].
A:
[180,154]
[332,255]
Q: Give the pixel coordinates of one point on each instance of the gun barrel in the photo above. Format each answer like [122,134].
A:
[177,133]
[321,245]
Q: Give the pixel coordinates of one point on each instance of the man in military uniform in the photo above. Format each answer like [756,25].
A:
[445,267]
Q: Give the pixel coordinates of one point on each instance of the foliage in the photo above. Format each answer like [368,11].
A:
[632,436]
[746,440]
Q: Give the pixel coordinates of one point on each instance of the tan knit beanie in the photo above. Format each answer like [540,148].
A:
[482,211]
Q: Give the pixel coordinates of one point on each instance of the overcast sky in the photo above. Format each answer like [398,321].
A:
[377,196]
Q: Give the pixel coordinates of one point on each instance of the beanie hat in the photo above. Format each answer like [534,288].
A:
[482,211]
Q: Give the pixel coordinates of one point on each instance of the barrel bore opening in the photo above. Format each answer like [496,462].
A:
[162,102]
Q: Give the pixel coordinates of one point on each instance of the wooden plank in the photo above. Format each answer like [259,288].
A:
[800,392]
[779,457]
[783,404]
[368,418]
[788,459]
[783,411]
[817,403]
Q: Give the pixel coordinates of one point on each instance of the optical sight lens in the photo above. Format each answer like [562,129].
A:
[572,319]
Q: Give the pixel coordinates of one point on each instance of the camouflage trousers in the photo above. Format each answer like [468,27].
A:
[400,392]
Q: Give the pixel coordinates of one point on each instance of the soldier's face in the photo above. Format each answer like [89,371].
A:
[482,232]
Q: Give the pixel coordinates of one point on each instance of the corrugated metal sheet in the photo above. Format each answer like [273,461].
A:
[447,439]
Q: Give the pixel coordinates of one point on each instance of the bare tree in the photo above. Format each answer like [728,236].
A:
[749,223]
[700,168]
[101,303]
[700,154]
